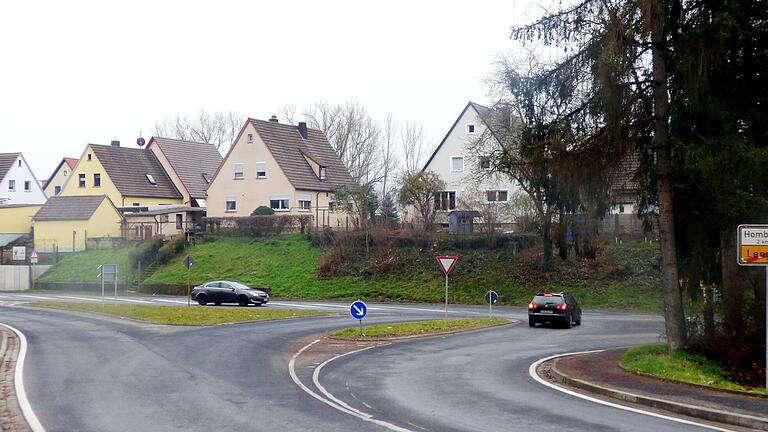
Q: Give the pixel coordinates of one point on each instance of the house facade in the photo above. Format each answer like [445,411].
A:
[18,184]
[291,169]
[55,182]
[64,223]
[190,166]
[462,164]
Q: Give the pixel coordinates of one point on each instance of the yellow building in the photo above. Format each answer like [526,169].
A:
[63,171]
[65,222]
[17,218]
[130,177]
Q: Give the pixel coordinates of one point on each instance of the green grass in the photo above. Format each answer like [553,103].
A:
[182,315]
[681,366]
[287,265]
[82,266]
[422,328]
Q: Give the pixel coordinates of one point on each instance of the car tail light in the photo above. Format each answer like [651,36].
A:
[562,307]
[532,305]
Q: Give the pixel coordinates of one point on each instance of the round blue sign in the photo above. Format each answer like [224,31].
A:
[358,310]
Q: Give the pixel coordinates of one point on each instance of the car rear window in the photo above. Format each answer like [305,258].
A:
[548,299]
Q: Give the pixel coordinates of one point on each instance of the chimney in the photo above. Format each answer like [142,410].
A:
[303,129]
[115,143]
[273,119]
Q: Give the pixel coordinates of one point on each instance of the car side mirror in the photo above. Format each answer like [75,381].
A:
[232,289]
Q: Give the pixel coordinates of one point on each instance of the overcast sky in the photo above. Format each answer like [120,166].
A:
[74,72]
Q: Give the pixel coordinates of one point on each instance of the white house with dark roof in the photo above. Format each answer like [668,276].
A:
[464,168]
[291,169]
[18,184]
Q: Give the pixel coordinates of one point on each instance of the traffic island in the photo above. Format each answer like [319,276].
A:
[11,417]
[415,329]
[599,374]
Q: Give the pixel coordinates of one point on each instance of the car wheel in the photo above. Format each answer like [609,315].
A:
[243,300]
[578,322]
[531,323]
[217,303]
[569,323]
[202,299]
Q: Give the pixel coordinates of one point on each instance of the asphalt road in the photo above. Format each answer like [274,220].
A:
[91,374]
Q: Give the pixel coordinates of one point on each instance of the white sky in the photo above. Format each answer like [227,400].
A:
[74,72]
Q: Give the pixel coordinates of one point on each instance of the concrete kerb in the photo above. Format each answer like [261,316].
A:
[759,423]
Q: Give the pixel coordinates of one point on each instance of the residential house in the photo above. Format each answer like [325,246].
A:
[189,164]
[130,177]
[461,163]
[165,220]
[55,182]
[18,184]
[291,169]
[65,223]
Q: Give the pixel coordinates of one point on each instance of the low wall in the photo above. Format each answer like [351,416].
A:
[80,286]
[18,277]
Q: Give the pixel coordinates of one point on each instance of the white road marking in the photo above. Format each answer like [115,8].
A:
[170,301]
[348,410]
[36,297]
[80,298]
[18,378]
[299,305]
[129,300]
[540,380]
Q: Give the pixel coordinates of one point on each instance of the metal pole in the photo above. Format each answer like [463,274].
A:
[490,305]
[139,281]
[361,327]
[115,280]
[766,327]
[102,284]
[189,290]
[446,297]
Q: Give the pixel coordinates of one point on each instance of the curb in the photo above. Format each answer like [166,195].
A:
[743,420]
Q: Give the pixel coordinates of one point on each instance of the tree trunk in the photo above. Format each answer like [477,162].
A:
[673,307]
[546,229]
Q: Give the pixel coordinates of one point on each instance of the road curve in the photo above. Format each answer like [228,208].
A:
[93,374]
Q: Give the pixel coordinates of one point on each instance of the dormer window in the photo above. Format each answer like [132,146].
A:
[322,172]
[207,177]
[151,180]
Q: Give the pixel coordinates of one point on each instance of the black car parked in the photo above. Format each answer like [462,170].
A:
[559,308]
[218,292]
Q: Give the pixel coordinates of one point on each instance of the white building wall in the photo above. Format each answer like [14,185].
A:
[469,184]
[20,172]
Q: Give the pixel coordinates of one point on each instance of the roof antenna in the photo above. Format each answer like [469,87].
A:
[140,141]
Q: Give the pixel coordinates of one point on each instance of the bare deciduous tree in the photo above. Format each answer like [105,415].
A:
[219,128]
[412,142]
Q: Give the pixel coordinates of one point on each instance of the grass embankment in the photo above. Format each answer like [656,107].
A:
[655,360]
[81,267]
[417,328]
[182,315]
[625,277]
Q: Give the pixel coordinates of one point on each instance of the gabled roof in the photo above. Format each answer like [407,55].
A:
[128,169]
[71,163]
[69,208]
[481,111]
[6,162]
[288,148]
[190,160]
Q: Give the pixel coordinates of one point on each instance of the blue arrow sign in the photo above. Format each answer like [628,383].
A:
[358,310]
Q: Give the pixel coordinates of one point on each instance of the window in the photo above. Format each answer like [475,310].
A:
[445,200]
[330,205]
[279,204]
[261,170]
[164,218]
[470,128]
[57,190]
[231,205]
[151,179]
[89,156]
[207,177]
[497,195]
[19,163]
[457,163]
[239,171]
[136,204]
[250,138]
[305,204]
[27,186]
[485,162]
[179,221]
[65,173]
[96,180]
[81,180]
[11,185]
[322,172]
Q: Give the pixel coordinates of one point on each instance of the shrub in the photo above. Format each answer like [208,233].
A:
[258,226]
[263,211]
[147,250]
[321,238]
[171,249]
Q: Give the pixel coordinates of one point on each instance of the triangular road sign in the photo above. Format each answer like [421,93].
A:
[447,263]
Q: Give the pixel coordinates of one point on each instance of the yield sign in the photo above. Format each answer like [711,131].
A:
[447,263]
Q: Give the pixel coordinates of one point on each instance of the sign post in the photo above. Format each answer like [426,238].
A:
[446,264]
[753,251]
[358,310]
[188,263]
[33,257]
[107,273]
[492,297]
